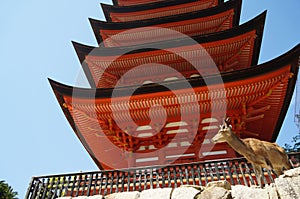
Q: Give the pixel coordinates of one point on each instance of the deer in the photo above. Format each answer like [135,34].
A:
[261,154]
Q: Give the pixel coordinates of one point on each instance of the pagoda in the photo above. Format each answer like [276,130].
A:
[163,77]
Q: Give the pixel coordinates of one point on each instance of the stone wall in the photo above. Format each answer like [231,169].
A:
[286,186]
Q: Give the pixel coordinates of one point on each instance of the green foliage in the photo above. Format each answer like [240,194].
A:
[6,191]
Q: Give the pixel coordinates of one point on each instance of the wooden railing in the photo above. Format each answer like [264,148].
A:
[236,171]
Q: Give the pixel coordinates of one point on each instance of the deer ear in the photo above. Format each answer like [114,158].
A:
[228,120]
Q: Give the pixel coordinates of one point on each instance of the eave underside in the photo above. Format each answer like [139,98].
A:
[256,98]
[190,24]
[126,3]
[232,49]
[121,14]
[231,54]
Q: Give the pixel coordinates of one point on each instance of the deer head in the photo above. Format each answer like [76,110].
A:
[224,133]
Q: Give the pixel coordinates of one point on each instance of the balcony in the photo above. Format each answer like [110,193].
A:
[237,171]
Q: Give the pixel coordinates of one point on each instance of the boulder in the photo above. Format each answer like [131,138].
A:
[288,184]
[123,195]
[186,192]
[156,193]
[214,193]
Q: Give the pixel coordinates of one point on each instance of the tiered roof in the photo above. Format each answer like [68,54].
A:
[232,49]
[256,99]
[191,24]
[155,9]
[132,116]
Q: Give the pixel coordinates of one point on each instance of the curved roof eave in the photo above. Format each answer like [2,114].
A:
[152,5]
[290,57]
[233,4]
[98,25]
[256,23]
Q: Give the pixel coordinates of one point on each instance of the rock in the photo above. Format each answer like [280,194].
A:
[288,188]
[271,189]
[124,195]
[240,191]
[223,184]
[95,197]
[156,193]
[291,173]
[214,193]
[185,192]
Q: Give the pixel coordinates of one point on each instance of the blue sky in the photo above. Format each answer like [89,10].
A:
[35,43]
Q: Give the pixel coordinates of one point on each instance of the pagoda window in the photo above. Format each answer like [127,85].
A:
[221,152]
[180,155]
[171,78]
[145,135]
[195,75]
[143,128]
[147,82]
[186,143]
[172,145]
[146,159]
[209,120]
[174,124]
[177,131]
[209,127]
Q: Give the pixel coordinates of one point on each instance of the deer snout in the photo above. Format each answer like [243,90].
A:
[217,138]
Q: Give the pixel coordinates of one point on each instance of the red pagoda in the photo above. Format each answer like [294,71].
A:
[164,76]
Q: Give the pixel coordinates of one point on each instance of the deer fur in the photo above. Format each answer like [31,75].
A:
[261,154]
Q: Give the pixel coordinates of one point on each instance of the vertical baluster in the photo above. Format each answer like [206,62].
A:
[84,184]
[145,179]
[105,182]
[248,170]
[117,181]
[73,185]
[134,180]
[175,177]
[236,172]
[123,174]
[40,187]
[139,180]
[62,186]
[199,175]
[35,189]
[229,172]
[243,174]
[193,174]
[180,175]
[95,182]
[158,171]
[100,183]
[111,185]
[151,178]
[128,181]
[163,177]
[205,174]
[223,170]
[217,170]
[45,188]
[89,185]
[186,174]
[211,172]
[264,177]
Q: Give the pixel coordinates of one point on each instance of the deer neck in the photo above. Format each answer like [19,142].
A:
[237,144]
